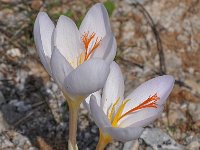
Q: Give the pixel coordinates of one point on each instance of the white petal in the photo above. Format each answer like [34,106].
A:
[113,88]
[124,134]
[67,39]
[113,50]
[97,95]
[87,78]
[97,21]
[161,85]
[43,30]
[141,118]
[98,115]
[106,49]
[60,67]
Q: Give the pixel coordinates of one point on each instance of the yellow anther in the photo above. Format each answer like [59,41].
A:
[119,113]
[80,59]
[110,115]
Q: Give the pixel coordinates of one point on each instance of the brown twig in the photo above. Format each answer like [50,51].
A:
[42,144]
[23,119]
[125,61]
[156,34]
[183,84]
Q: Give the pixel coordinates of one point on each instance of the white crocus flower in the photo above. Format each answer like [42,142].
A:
[78,60]
[122,118]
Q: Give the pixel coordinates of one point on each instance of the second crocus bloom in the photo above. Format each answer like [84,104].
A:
[78,60]
[122,118]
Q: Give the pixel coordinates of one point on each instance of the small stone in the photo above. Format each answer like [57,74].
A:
[87,135]
[128,145]
[20,106]
[194,110]
[5,143]
[54,87]
[131,145]
[36,4]
[194,145]
[194,85]
[10,113]
[134,1]
[176,116]
[3,124]
[94,129]
[173,61]
[15,52]
[191,70]
[158,140]
[2,99]
[197,125]
[183,39]
[32,148]
[12,140]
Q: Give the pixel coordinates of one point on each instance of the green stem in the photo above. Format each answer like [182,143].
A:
[104,140]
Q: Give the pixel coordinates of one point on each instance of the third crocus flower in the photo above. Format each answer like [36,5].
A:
[122,118]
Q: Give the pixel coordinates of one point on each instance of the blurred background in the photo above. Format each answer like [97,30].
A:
[154,37]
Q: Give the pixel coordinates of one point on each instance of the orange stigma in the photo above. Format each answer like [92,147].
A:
[149,103]
[86,38]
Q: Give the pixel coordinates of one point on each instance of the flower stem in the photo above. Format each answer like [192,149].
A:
[104,140]
[74,106]
[73,117]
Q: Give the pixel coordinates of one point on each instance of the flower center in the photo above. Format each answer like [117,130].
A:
[115,117]
[89,44]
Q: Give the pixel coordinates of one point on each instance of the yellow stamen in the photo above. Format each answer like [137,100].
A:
[119,112]
[80,58]
[110,115]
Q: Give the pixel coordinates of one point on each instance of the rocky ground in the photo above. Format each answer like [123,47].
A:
[156,37]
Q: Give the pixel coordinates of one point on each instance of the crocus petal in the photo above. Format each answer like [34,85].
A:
[43,30]
[87,78]
[161,85]
[97,21]
[141,118]
[67,39]
[124,134]
[60,67]
[97,95]
[113,88]
[107,49]
[98,115]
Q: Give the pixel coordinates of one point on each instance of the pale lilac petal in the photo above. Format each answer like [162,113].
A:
[97,21]
[60,68]
[124,134]
[97,95]
[106,49]
[98,115]
[87,78]
[141,118]
[67,39]
[43,31]
[113,88]
[162,86]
